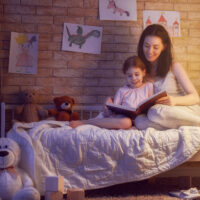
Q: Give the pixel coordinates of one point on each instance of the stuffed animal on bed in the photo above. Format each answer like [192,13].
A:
[15,183]
[30,111]
[63,111]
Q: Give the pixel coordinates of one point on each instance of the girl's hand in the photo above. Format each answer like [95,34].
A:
[106,111]
[109,100]
[168,100]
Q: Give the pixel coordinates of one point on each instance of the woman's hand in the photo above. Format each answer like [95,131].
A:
[168,100]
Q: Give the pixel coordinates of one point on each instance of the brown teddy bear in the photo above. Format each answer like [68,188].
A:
[63,111]
[30,111]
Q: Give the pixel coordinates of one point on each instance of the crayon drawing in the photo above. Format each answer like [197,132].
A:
[23,53]
[169,19]
[118,10]
[82,38]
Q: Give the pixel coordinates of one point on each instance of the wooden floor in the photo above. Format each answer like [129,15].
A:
[140,197]
[143,190]
[152,189]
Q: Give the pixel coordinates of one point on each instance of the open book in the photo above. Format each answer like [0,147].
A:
[141,108]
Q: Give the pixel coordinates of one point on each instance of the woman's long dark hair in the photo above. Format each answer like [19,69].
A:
[165,58]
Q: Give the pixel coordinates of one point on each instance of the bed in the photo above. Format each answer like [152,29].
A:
[90,157]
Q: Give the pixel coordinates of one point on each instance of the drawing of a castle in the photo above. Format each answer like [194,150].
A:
[173,28]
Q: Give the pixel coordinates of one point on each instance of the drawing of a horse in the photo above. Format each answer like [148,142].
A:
[112,5]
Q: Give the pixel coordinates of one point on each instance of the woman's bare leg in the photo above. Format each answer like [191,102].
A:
[109,123]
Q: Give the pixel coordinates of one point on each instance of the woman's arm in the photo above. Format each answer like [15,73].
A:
[191,96]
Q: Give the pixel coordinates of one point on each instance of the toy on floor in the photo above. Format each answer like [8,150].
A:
[75,194]
[54,187]
[15,183]
[63,111]
[191,193]
[30,111]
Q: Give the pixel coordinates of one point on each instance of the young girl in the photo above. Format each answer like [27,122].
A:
[135,91]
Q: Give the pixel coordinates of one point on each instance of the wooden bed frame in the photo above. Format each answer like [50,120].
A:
[188,172]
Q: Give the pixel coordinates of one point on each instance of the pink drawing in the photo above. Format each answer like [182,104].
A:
[148,21]
[25,59]
[112,5]
[162,20]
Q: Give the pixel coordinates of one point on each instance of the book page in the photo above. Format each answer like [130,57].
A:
[124,110]
[151,97]
[120,106]
[146,104]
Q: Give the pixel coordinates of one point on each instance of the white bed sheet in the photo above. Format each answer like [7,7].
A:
[90,157]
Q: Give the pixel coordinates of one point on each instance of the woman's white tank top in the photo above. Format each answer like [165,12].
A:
[170,84]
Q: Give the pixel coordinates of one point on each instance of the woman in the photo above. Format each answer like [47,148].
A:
[179,107]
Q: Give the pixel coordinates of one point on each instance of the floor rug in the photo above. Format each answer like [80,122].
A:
[142,190]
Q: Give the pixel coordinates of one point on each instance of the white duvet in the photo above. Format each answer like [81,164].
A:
[90,157]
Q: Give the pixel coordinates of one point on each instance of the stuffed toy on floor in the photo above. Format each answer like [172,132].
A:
[63,111]
[15,183]
[30,111]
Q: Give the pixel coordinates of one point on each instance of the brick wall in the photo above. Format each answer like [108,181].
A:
[88,78]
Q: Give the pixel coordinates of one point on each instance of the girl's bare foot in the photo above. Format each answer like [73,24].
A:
[75,124]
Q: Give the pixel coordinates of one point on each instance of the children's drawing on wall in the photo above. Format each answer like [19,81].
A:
[169,19]
[118,10]
[23,53]
[82,38]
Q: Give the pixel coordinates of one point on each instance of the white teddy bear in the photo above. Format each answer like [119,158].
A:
[15,183]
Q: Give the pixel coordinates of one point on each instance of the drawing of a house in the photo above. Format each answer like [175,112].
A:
[148,21]
[175,28]
[162,21]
